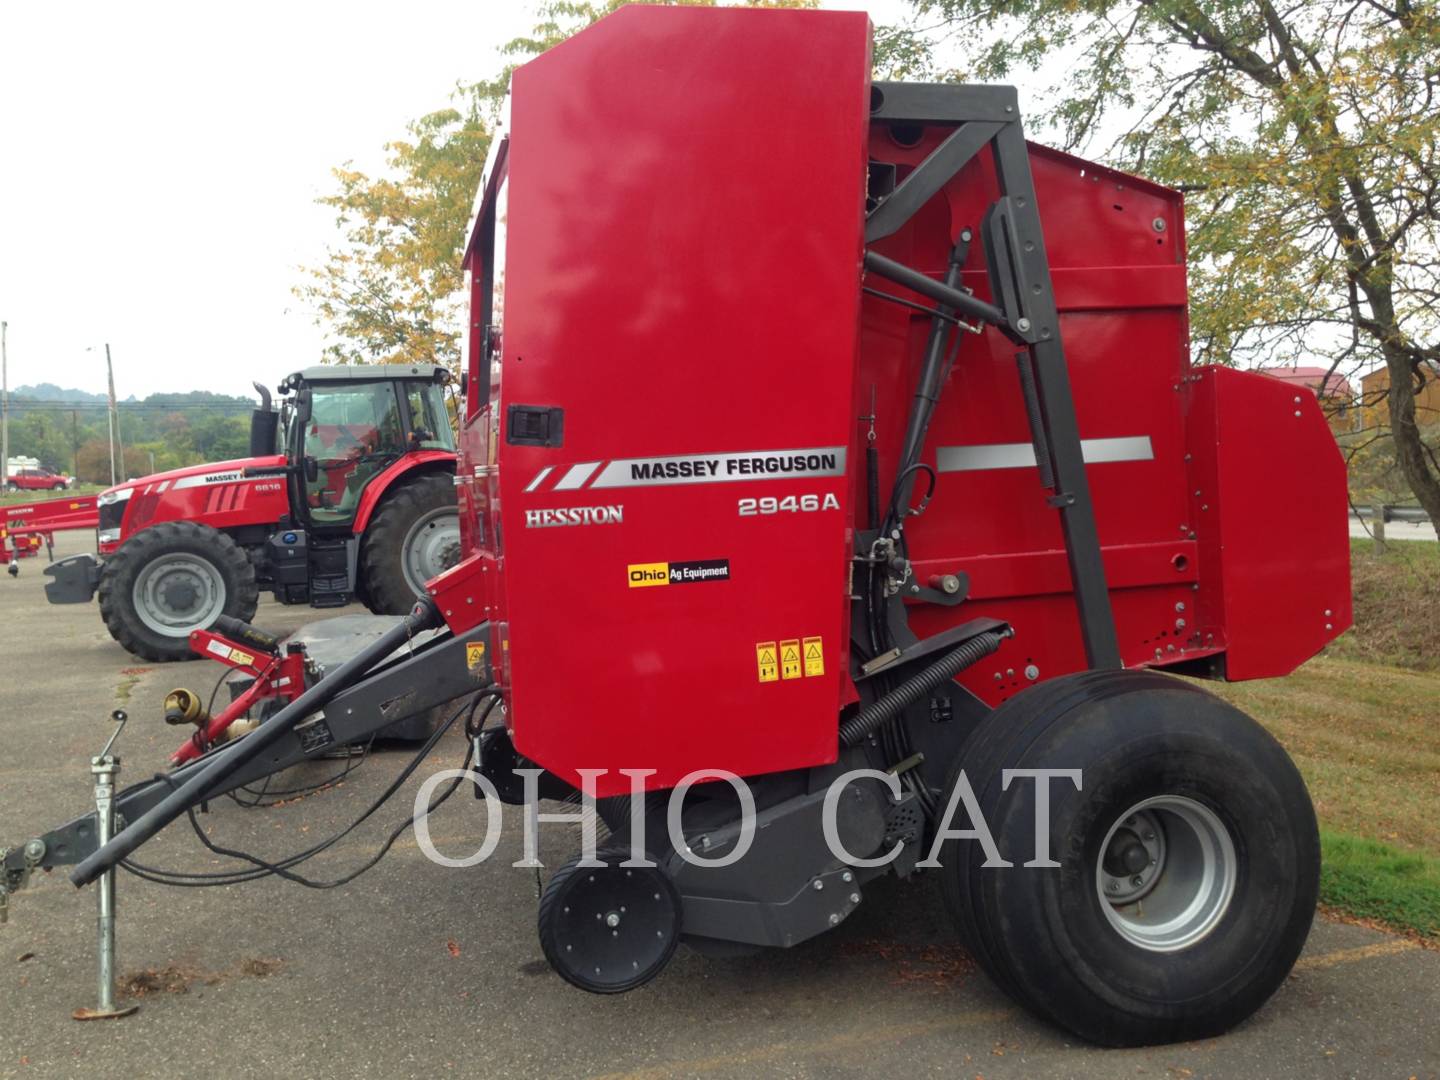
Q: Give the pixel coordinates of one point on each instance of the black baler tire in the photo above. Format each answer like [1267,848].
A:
[1041,933]
[117,583]
[382,575]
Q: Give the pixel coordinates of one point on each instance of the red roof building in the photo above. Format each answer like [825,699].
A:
[1312,378]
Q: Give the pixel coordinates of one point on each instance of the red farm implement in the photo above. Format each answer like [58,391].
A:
[838,500]
[27,527]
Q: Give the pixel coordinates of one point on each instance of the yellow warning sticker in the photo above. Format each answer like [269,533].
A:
[243,658]
[765,661]
[790,659]
[814,649]
[474,655]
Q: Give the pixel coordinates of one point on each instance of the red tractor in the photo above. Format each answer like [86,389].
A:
[357,502]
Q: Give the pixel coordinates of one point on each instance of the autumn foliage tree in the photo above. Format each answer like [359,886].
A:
[1305,135]
[391,290]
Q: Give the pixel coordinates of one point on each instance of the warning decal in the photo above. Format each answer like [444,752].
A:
[474,655]
[765,661]
[790,659]
[814,649]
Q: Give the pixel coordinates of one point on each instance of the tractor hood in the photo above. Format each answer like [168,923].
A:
[209,473]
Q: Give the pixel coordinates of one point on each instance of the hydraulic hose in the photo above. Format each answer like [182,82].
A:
[203,777]
[947,667]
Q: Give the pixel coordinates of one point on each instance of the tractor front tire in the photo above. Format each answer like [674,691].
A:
[169,580]
[1183,872]
[414,535]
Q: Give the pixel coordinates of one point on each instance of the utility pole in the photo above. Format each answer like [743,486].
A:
[114,419]
[4,408]
[74,442]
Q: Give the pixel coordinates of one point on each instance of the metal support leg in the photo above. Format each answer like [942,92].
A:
[105,769]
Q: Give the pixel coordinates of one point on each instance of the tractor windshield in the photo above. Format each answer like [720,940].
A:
[354,432]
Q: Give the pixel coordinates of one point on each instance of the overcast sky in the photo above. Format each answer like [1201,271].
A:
[159,165]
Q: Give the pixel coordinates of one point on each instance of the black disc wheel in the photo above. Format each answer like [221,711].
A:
[609,928]
[1182,872]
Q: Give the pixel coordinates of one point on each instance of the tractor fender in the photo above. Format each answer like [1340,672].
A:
[413,464]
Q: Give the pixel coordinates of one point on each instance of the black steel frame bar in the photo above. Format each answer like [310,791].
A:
[1020,272]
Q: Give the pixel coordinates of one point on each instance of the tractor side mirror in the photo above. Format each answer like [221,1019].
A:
[304,403]
[312,470]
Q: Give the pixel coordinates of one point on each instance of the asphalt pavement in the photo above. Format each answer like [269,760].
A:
[420,970]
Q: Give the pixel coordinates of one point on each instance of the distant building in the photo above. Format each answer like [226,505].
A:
[1337,396]
[1374,388]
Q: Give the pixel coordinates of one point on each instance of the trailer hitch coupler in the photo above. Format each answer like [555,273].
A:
[210,772]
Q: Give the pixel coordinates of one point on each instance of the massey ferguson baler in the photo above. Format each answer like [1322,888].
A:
[826,442]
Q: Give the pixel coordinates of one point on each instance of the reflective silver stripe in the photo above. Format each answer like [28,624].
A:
[720,468]
[575,476]
[539,477]
[1022,455]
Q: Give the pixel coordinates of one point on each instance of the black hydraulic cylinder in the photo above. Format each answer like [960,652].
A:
[237,630]
[927,391]
[962,302]
[211,771]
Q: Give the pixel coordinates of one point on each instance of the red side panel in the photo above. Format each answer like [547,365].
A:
[1116,246]
[686,192]
[1272,521]
[51,515]
[675,287]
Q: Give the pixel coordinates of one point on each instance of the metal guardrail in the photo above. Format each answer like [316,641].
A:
[1393,513]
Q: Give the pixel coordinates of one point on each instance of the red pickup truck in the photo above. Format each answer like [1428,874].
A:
[37,479]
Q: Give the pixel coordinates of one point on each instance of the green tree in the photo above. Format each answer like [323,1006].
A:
[392,289]
[1305,136]
[92,462]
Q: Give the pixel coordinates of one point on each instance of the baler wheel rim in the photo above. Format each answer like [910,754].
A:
[610,928]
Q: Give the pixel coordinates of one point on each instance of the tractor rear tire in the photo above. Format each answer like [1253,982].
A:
[1188,861]
[414,534]
[169,580]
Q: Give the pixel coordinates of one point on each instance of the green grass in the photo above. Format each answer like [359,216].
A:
[1361,723]
[1395,605]
[1370,880]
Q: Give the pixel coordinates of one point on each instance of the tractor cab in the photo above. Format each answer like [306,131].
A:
[345,426]
[352,437]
